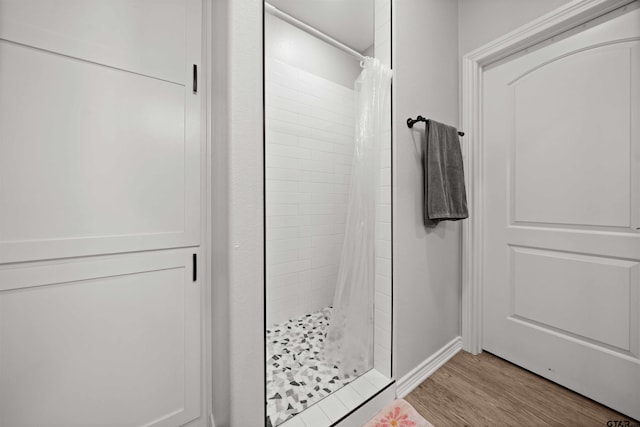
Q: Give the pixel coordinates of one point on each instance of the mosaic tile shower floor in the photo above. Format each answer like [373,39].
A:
[297,375]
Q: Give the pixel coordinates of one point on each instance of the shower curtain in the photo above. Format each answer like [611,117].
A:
[349,340]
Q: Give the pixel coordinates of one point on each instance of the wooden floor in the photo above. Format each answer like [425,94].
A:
[485,390]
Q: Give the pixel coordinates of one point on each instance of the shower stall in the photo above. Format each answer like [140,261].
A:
[328,208]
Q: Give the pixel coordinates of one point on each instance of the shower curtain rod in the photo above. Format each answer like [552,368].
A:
[268,7]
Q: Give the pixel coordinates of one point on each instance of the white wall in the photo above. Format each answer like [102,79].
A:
[429,36]
[309,155]
[427,263]
[299,49]
[237,224]
[481,21]
[219,274]
[246,249]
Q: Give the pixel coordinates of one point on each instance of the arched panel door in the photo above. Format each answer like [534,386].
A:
[562,253]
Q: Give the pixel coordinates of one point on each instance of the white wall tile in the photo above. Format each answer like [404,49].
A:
[310,135]
[331,270]
[289,244]
[383,267]
[337,178]
[377,379]
[329,197]
[283,233]
[385,193]
[382,361]
[385,175]
[323,219]
[287,150]
[277,257]
[313,230]
[281,162]
[382,337]
[363,387]
[382,317]
[384,212]
[383,249]
[314,417]
[282,210]
[293,422]
[286,221]
[383,285]
[310,139]
[289,267]
[333,408]
[287,198]
[282,138]
[382,13]
[383,231]
[382,302]
[283,280]
[317,187]
[277,174]
[349,397]
[318,145]
[328,241]
[278,185]
[287,127]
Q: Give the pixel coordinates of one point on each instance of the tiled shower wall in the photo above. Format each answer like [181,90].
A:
[382,317]
[310,139]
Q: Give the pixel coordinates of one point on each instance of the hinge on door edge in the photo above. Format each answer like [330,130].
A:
[195,78]
[195,267]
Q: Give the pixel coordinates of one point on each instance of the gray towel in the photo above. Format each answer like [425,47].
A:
[445,197]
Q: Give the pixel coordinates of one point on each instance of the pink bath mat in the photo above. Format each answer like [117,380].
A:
[398,414]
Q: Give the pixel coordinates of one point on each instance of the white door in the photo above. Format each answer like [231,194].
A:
[100,183]
[561,271]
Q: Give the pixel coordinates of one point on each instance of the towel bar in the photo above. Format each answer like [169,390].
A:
[411,122]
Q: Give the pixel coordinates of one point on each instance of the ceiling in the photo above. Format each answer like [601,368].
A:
[348,21]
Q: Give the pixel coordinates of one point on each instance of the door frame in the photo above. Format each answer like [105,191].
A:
[543,30]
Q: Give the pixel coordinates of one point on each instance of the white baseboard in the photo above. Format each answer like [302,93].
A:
[407,383]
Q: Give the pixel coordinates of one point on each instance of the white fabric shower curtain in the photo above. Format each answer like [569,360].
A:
[349,341]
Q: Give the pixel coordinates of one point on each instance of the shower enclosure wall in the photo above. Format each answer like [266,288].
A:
[310,125]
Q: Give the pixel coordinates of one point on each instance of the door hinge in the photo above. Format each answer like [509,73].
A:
[195,267]
[195,78]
